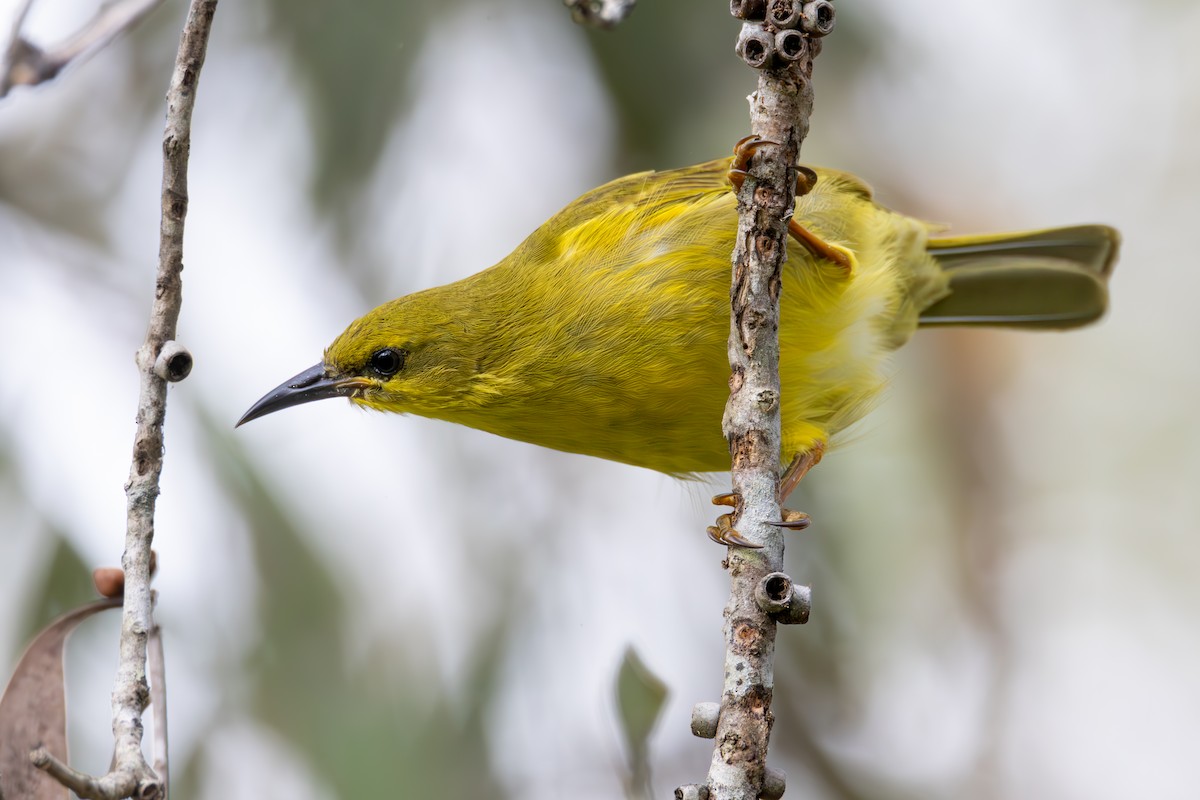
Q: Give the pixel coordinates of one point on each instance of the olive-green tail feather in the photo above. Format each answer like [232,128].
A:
[1040,279]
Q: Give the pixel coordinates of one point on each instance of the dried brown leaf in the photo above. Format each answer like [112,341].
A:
[33,710]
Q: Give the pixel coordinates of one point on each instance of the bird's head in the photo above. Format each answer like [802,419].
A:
[404,356]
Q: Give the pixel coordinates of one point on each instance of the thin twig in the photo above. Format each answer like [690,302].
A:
[779,113]
[130,693]
[130,776]
[157,667]
[78,782]
[26,64]
[600,13]
[15,52]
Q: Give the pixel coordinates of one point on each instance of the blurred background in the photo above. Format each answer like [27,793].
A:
[1004,556]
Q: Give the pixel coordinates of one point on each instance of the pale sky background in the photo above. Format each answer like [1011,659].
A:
[1085,678]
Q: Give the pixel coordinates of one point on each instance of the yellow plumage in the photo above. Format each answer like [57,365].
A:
[605,331]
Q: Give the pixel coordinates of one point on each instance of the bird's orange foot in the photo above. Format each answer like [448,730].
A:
[723,532]
[743,151]
[799,467]
[806,179]
[731,499]
[819,248]
[801,464]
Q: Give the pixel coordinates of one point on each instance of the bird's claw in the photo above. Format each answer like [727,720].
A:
[806,179]
[818,247]
[743,151]
[731,499]
[793,520]
[801,464]
[724,533]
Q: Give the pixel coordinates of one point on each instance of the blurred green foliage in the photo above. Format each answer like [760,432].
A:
[66,583]
[640,696]
[349,721]
[353,59]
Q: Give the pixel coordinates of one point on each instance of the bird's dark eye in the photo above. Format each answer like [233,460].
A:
[386,362]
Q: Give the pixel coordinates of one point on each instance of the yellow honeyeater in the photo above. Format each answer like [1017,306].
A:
[605,331]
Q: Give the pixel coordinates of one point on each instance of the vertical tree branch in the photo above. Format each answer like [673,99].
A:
[130,776]
[779,113]
[130,693]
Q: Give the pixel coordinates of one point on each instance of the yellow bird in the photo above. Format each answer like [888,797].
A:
[604,332]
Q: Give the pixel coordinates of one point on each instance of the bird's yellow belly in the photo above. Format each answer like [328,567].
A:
[659,402]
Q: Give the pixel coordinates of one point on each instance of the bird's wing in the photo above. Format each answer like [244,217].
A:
[647,192]
[656,204]
[612,222]
[642,194]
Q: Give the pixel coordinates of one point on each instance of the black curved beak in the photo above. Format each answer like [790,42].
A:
[312,384]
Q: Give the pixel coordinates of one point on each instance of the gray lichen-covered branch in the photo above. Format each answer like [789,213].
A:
[159,361]
[780,38]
